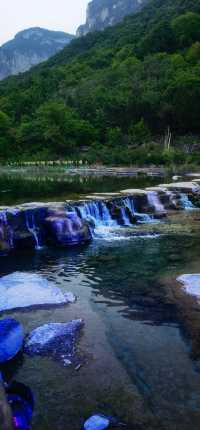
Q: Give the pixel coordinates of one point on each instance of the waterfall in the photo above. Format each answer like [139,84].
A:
[97,212]
[186,203]
[124,216]
[140,217]
[31,226]
[154,202]
[6,232]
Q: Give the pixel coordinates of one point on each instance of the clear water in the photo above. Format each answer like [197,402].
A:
[138,357]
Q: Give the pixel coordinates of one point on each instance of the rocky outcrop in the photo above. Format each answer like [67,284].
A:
[30,47]
[103,13]
[35,225]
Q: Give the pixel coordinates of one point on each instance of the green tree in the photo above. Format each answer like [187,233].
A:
[139,133]
[193,53]
[114,137]
[186,28]
[5,135]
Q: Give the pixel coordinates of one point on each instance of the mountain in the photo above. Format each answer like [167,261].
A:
[103,13]
[30,47]
[111,96]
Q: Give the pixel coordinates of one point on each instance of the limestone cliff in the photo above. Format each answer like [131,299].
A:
[28,48]
[103,13]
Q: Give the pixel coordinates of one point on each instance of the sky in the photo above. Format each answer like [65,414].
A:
[17,15]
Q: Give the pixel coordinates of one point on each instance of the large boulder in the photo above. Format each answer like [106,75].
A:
[66,228]
[21,290]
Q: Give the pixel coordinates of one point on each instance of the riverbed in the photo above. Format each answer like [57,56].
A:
[139,359]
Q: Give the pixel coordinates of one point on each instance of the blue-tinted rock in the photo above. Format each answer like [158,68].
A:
[11,339]
[20,290]
[97,422]
[67,228]
[56,340]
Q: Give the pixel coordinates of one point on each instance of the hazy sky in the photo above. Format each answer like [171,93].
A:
[16,15]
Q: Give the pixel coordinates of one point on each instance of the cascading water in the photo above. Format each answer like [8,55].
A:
[125,219]
[186,203]
[31,226]
[97,212]
[140,217]
[154,202]
[6,233]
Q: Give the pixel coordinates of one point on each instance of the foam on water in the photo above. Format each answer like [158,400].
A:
[19,290]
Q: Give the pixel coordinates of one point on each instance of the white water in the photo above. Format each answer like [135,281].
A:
[154,202]
[30,224]
[186,203]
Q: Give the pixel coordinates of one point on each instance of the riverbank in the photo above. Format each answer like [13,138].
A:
[81,169]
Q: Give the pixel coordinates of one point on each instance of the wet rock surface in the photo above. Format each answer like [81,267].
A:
[23,290]
[191,284]
[56,340]
[66,228]
[36,225]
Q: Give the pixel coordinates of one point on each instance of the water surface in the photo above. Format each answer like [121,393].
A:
[138,361]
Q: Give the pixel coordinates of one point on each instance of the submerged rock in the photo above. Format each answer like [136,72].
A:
[97,422]
[11,339]
[57,340]
[102,422]
[20,290]
[191,284]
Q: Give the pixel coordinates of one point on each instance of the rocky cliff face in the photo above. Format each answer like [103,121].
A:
[28,48]
[102,13]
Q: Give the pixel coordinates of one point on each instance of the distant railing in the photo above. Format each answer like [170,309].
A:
[67,163]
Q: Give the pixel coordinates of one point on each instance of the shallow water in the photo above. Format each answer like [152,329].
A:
[136,356]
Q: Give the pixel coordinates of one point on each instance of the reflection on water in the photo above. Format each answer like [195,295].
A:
[138,361]
[22,187]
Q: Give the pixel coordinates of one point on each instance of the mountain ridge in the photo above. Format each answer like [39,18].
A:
[30,47]
[112,94]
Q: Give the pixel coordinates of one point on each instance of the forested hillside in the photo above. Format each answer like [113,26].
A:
[112,96]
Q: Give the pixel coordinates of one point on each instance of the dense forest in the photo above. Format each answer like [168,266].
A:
[130,93]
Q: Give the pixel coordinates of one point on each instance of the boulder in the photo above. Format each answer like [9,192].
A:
[21,290]
[66,228]
[57,340]
[191,284]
